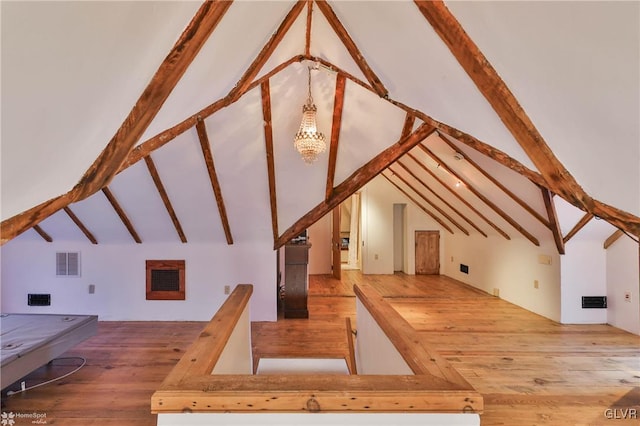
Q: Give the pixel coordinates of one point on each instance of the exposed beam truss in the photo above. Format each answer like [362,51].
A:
[357,180]
[120,212]
[153,171]
[482,197]
[271,168]
[495,91]
[42,233]
[143,112]
[213,178]
[80,225]
[499,184]
[338,104]
[421,195]
[417,203]
[445,202]
[547,196]
[612,239]
[353,50]
[581,224]
[250,74]
[459,197]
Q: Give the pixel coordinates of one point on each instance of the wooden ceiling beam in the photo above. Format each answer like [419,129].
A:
[460,197]
[547,196]
[581,224]
[445,202]
[497,183]
[409,121]
[213,178]
[504,103]
[484,199]
[459,135]
[43,234]
[307,41]
[106,166]
[428,201]
[353,50]
[80,225]
[120,212]
[357,180]
[338,104]
[612,238]
[166,136]
[153,171]
[271,168]
[266,52]
[417,203]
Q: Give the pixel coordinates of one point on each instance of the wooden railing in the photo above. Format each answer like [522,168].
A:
[434,387]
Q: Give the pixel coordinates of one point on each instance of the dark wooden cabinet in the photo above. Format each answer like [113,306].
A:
[296,280]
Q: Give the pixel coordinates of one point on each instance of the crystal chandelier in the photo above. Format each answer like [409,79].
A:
[308,141]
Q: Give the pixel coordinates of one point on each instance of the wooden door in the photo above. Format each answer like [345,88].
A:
[427,252]
[336,244]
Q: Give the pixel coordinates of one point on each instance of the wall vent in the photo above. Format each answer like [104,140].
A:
[165,279]
[594,302]
[464,268]
[68,264]
[38,299]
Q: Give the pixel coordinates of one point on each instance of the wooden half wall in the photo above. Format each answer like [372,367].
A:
[434,386]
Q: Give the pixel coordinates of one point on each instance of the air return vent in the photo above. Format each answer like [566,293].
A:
[165,279]
[594,302]
[68,264]
[38,299]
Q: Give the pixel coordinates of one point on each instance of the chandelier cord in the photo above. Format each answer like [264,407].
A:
[309,97]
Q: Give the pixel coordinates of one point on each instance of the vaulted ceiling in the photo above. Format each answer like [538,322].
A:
[479,112]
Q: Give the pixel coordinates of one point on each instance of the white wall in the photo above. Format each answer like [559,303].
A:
[118,273]
[319,235]
[510,266]
[623,275]
[378,198]
[583,273]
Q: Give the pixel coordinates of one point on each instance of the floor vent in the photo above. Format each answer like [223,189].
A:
[594,302]
[39,299]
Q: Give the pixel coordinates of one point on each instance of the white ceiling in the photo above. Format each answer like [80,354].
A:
[71,71]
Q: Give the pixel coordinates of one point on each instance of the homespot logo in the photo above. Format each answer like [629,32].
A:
[10,419]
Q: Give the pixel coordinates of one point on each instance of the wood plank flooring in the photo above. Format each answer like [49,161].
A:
[530,370]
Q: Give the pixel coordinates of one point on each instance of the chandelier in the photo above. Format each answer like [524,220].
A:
[308,141]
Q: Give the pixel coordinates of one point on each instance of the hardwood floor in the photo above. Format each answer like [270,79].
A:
[530,370]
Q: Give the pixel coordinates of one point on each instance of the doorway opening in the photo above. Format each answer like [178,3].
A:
[398,237]
[350,233]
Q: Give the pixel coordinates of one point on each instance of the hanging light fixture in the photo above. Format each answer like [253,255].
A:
[308,141]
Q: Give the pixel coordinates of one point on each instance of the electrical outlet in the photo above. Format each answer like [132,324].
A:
[375,256]
[627,296]
[227,289]
[92,288]
[536,284]
[496,292]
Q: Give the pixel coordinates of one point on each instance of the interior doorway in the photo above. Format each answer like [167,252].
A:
[427,252]
[350,233]
[398,237]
